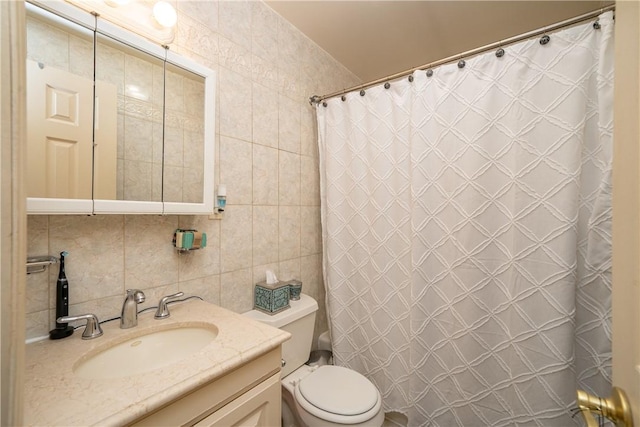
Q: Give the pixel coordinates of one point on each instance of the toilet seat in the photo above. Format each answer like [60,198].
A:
[338,395]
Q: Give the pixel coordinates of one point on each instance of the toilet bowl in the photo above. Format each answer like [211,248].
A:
[319,395]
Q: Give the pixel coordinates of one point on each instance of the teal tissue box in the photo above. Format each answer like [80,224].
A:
[271,299]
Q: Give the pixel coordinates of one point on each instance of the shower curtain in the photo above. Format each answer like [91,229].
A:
[466,220]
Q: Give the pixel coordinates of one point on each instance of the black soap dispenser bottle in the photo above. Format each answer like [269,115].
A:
[62,330]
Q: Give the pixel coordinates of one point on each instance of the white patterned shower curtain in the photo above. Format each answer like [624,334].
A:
[467,233]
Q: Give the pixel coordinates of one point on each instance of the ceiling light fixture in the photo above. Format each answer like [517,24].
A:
[155,21]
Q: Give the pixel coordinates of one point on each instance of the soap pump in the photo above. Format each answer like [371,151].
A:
[62,330]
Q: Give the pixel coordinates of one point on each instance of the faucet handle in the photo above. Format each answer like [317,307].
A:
[163,311]
[91,330]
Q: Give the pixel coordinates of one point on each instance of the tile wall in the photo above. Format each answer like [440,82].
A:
[266,154]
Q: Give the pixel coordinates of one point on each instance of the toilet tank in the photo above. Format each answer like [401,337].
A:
[299,321]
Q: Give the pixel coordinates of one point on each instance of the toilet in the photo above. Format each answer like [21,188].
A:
[318,395]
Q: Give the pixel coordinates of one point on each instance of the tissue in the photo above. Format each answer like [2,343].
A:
[271,296]
[271,277]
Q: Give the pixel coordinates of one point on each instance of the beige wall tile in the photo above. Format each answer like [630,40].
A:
[236,238]
[235,21]
[265,175]
[95,265]
[289,232]
[153,294]
[37,287]
[104,308]
[37,324]
[308,131]
[289,269]
[149,257]
[265,234]
[289,125]
[310,181]
[259,271]
[235,170]
[265,116]
[290,46]
[207,288]
[288,178]
[235,105]
[236,290]
[235,57]
[205,12]
[310,235]
[196,40]
[264,41]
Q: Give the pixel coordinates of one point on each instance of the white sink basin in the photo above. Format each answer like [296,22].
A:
[145,353]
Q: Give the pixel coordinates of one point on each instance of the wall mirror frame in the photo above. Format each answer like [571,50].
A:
[198,175]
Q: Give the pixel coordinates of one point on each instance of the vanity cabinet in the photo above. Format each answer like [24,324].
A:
[249,396]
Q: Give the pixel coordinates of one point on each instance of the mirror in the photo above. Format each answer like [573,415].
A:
[184,127]
[129,151]
[129,116]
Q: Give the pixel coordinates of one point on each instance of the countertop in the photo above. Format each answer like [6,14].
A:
[54,396]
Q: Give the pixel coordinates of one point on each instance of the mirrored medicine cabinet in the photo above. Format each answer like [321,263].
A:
[115,124]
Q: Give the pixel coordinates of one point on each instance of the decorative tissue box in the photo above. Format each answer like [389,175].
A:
[271,299]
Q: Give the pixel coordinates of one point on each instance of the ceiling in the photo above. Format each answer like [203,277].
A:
[374,39]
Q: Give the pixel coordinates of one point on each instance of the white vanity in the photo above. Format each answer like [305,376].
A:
[232,380]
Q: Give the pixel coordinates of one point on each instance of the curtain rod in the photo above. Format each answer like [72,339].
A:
[549,28]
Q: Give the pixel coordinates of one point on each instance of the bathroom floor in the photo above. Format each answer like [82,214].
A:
[394,419]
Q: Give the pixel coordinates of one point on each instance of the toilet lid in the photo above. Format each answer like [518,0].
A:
[339,391]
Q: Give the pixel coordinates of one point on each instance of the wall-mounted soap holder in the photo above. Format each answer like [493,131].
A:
[188,240]
[38,264]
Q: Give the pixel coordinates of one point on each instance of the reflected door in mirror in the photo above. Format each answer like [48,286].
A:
[60,110]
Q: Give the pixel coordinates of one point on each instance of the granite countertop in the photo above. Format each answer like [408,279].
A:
[55,396]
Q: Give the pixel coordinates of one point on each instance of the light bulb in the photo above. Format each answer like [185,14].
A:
[165,14]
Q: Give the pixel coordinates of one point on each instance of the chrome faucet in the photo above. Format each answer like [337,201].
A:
[91,330]
[129,315]
[163,311]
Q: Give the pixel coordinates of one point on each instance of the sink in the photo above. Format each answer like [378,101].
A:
[145,353]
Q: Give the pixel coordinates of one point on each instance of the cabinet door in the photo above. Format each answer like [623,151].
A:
[259,407]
